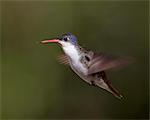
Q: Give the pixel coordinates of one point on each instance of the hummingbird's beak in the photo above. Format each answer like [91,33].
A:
[50,41]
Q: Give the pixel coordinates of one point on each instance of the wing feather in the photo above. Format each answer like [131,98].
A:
[102,62]
[63,59]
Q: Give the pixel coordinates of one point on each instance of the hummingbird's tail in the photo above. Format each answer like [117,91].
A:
[104,83]
[109,87]
[114,91]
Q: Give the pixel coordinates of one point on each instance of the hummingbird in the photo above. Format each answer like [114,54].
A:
[88,65]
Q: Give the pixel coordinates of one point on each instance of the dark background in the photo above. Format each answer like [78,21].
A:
[35,85]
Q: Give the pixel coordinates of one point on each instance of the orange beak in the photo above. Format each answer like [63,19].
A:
[50,41]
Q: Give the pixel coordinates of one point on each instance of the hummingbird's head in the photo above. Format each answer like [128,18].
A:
[65,40]
[68,38]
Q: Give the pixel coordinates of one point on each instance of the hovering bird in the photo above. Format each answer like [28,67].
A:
[88,65]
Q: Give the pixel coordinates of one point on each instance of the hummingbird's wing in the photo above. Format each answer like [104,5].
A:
[63,59]
[101,62]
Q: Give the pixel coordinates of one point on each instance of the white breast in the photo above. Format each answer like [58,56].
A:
[74,58]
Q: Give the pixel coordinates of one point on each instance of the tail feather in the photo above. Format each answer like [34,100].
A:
[109,88]
[104,83]
[114,91]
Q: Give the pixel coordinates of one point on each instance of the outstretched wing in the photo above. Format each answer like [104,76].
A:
[101,62]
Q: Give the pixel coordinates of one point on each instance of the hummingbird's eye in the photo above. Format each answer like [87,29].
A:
[66,39]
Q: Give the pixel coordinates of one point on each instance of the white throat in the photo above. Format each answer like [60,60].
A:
[74,56]
[72,52]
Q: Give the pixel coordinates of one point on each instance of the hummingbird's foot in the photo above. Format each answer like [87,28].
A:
[93,83]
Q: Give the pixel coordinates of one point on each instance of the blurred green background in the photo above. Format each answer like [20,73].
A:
[35,85]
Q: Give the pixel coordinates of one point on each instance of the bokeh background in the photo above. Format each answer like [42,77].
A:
[35,85]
